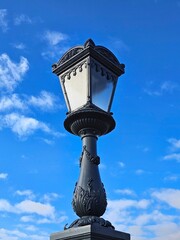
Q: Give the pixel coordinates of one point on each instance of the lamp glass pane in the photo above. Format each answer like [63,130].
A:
[102,87]
[76,88]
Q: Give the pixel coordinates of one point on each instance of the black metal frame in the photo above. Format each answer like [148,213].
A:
[89,122]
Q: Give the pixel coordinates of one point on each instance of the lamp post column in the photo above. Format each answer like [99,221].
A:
[89,195]
[89,198]
[88,75]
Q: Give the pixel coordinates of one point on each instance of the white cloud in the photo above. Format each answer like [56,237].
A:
[139,172]
[172,178]
[3,175]
[169,196]
[119,45]
[47,141]
[121,164]
[175,143]
[125,192]
[3,20]
[24,126]
[11,102]
[165,230]
[27,218]
[22,19]
[53,38]
[167,86]
[5,206]
[15,234]
[48,197]
[26,193]
[174,149]
[173,156]
[19,46]
[28,206]
[31,228]
[164,87]
[147,218]
[11,73]
[101,166]
[11,234]
[56,44]
[46,101]
[127,203]
[153,217]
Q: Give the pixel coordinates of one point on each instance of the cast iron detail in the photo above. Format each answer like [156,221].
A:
[89,202]
[93,159]
[98,67]
[90,220]
[89,117]
[74,70]
[78,53]
[72,52]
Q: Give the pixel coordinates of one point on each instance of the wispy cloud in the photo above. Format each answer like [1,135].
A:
[21,19]
[56,44]
[54,38]
[12,73]
[3,20]
[24,126]
[121,164]
[152,220]
[139,172]
[25,193]
[49,197]
[45,101]
[3,176]
[121,207]
[172,177]
[164,88]
[9,102]
[14,109]
[175,143]
[169,196]
[127,191]
[29,206]
[19,46]
[174,150]
[32,211]
[14,234]
[173,156]
[119,45]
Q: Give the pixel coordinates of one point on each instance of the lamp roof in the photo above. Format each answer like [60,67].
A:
[78,53]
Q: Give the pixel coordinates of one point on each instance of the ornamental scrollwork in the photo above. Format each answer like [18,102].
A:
[90,220]
[94,159]
[74,70]
[89,202]
[71,53]
[98,68]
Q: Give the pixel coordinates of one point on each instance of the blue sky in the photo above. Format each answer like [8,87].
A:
[140,159]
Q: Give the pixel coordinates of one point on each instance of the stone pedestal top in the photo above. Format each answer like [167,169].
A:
[90,232]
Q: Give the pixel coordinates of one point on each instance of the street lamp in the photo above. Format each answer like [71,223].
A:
[88,76]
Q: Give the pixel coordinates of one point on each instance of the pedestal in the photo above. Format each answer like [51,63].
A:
[90,232]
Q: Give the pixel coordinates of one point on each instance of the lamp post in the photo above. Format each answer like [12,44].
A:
[88,75]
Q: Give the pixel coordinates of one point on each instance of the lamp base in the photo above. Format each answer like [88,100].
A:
[90,232]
